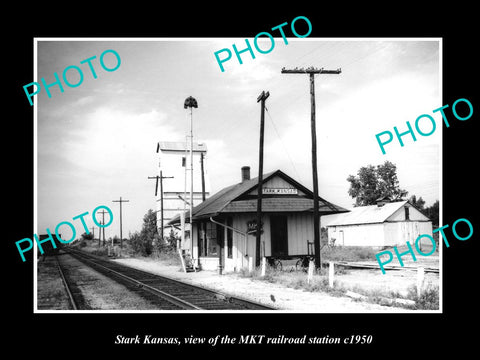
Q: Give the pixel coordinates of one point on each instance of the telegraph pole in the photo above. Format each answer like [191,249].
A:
[100,233]
[121,237]
[103,212]
[316,217]
[161,177]
[261,98]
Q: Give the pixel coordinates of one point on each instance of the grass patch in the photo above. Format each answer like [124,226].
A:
[348,253]
[168,256]
[296,280]
[103,251]
[429,297]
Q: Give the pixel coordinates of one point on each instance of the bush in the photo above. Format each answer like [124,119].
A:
[140,244]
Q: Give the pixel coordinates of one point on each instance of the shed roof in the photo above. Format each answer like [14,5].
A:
[370,214]
[231,200]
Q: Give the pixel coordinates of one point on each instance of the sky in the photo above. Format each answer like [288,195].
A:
[97,142]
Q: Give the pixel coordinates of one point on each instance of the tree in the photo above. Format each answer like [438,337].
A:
[433,213]
[372,183]
[86,236]
[418,203]
[142,242]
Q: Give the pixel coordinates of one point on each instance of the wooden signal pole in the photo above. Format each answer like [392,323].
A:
[191,103]
[311,71]
[161,177]
[261,98]
[121,201]
[203,177]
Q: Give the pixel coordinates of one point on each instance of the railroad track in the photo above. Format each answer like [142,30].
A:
[389,267]
[181,295]
[71,299]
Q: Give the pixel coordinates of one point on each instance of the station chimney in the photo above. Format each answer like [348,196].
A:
[245,173]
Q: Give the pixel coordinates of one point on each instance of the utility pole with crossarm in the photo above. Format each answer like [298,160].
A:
[161,177]
[121,237]
[261,98]
[311,71]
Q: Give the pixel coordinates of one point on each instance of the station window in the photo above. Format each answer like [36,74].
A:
[211,237]
[229,238]
[407,213]
[201,240]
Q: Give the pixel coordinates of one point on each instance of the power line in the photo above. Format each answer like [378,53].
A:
[283,144]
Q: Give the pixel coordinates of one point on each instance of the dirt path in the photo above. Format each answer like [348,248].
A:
[282,297]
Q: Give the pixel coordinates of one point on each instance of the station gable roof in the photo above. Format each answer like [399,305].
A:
[237,198]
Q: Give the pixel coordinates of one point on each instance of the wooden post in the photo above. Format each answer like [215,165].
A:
[311,266]
[250,264]
[264,260]
[182,260]
[331,273]
[420,280]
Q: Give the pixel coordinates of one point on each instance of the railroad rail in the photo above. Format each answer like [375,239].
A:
[71,299]
[182,295]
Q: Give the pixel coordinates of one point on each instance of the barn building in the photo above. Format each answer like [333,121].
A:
[224,224]
[381,225]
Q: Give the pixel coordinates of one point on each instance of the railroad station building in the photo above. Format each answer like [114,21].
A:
[224,224]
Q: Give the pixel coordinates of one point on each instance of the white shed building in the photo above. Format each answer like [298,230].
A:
[381,225]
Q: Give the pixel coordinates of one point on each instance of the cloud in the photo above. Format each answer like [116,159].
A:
[113,141]
[83,101]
